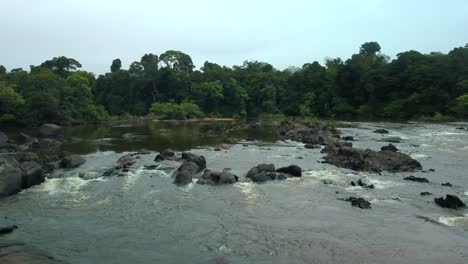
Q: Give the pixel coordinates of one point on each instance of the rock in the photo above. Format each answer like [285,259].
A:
[3,137]
[51,131]
[14,252]
[447,184]
[11,176]
[126,160]
[416,179]
[392,139]
[348,138]
[381,131]
[362,184]
[310,146]
[265,176]
[431,170]
[299,157]
[7,230]
[344,156]
[359,202]
[390,147]
[7,147]
[46,143]
[50,166]
[26,156]
[144,152]
[353,183]
[185,173]
[167,154]
[199,160]
[260,168]
[450,201]
[327,182]
[33,174]
[293,170]
[425,194]
[151,167]
[72,161]
[222,147]
[317,134]
[218,178]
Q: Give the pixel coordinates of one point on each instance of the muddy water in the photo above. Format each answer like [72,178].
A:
[82,217]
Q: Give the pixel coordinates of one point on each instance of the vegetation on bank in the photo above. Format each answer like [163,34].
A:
[366,86]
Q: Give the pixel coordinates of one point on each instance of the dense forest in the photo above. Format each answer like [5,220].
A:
[367,86]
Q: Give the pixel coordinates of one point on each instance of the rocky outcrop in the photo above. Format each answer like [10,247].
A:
[416,179]
[51,131]
[15,252]
[166,154]
[359,202]
[450,201]
[310,135]
[348,157]
[11,176]
[26,156]
[390,147]
[191,166]
[218,178]
[199,160]
[293,170]
[72,161]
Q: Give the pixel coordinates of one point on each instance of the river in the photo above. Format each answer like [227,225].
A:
[82,217]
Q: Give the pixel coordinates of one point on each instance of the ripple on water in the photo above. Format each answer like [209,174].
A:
[461,221]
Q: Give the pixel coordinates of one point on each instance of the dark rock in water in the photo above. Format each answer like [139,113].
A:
[46,143]
[33,174]
[185,173]
[359,202]
[50,166]
[222,147]
[6,147]
[425,194]
[7,230]
[390,147]
[381,131]
[318,134]
[126,161]
[166,154]
[348,138]
[199,160]
[327,182]
[218,178]
[26,156]
[392,139]
[368,160]
[447,184]
[72,161]
[144,152]
[353,183]
[51,131]
[268,176]
[310,146]
[293,170]
[450,201]
[360,183]
[151,167]
[299,157]
[3,137]
[14,252]
[431,170]
[11,176]
[416,179]
[260,168]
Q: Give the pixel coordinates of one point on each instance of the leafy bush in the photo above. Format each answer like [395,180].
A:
[185,110]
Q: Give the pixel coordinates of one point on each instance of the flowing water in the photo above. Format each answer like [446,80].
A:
[81,217]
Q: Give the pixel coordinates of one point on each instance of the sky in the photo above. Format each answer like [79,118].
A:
[283,33]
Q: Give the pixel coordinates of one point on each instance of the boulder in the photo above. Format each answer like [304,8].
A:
[327,182]
[392,139]
[344,156]
[450,201]
[11,176]
[260,168]
[447,184]
[51,131]
[72,161]
[167,154]
[293,170]
[33,174]
[359,202]
[46,143]
[199,160]
[6,147]
[5,230]
[390,147]
[315,134]
[50,166]
[26,156]
[126,160]
[381,131]
[363,184]
[310,146]
[425,194]
[3,137]
[348,138]
[218,178]
[144,152]
[416,179]
[185,173]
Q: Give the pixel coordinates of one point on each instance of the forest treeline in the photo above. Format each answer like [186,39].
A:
[366,86]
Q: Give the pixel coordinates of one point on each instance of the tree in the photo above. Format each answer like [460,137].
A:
[177,61]
[116,65]
[61,65]
[10,102]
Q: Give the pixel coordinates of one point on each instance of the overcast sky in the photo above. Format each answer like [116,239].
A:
[283,33]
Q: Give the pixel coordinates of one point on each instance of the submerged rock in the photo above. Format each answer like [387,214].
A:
[390,147]
[344,156]
[327,182]
[447,184]
[348,138]
[450,201]
[359,202]
[425,194]
[7,230]
[72,161]
[381,131]
[265,176]
[126,160]
[392,139]
[416,179]
[51,131]
[293,170]
[221,147]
